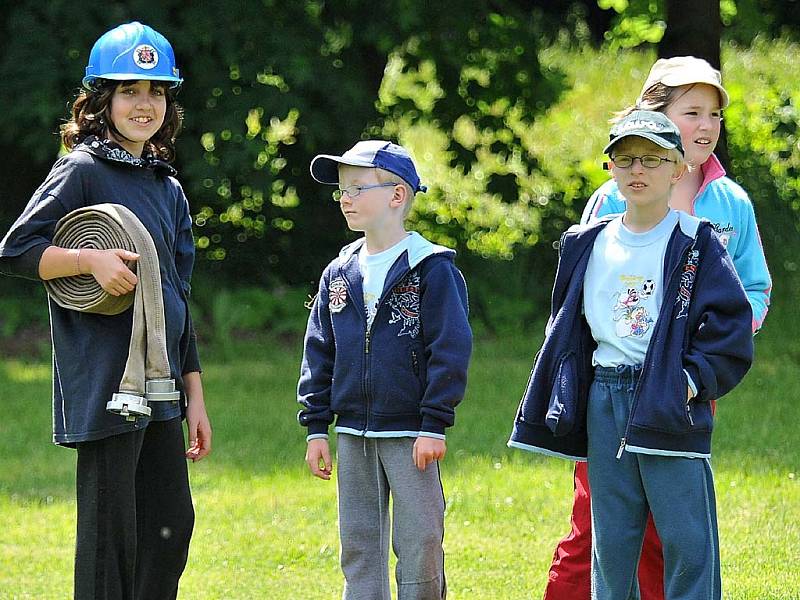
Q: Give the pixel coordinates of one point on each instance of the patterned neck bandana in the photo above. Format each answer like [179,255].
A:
[112,151]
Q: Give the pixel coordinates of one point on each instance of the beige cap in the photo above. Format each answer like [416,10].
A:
[685,70]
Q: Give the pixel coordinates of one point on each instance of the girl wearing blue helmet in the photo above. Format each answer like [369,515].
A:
[135,514]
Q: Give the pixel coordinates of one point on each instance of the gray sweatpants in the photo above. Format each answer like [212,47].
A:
[369,469]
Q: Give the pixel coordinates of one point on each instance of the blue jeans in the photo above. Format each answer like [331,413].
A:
[678,491]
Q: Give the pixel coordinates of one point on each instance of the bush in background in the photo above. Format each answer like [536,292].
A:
[565,143]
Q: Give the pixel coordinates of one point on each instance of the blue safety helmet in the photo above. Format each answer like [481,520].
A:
[132,51]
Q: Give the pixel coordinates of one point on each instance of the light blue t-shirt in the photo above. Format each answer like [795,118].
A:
[622,292]
[374,268]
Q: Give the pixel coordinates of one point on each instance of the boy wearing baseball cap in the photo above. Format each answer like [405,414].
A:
[385,356]
[648,323]
[689,91]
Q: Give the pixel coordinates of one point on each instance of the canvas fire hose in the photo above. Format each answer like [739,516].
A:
[147,373]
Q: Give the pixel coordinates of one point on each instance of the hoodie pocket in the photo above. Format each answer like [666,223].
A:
[563,406]
[688,414]
[698,413]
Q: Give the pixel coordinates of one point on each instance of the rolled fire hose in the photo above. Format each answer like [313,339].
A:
[147,373]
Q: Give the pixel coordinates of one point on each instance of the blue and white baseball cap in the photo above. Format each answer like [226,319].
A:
[371,154]
[647,124]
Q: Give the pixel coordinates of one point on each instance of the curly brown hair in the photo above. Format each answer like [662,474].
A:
[91,115]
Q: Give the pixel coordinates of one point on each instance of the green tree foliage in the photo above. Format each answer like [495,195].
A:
[632,23]
[464,103]
[257,198]
[764,125]
[269,84]
[638,22]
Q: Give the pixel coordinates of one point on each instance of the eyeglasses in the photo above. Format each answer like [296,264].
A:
[354,191]
[649,161]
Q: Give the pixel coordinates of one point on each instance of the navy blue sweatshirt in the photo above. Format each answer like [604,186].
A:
[704,327]
[90,350]
[408,371]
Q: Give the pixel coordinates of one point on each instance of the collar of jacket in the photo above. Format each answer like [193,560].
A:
[579,238]
[577,242]
[712,170]
[111,151]
[419,250]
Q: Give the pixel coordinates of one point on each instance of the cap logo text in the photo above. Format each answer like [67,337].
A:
[641,124]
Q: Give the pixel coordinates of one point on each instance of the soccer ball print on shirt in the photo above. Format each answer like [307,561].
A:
[633,306]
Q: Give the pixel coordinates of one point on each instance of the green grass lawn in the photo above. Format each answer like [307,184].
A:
[267,529]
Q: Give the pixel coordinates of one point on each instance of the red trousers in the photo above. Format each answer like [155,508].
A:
[569,577]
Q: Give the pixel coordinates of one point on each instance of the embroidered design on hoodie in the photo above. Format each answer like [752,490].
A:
[687,282]
[724,232]
[404,305]
[337,295]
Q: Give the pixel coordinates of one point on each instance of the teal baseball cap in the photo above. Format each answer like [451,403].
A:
[647,124]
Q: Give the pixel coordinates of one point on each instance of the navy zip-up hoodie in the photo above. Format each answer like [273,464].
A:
[703,329]
[90,350]
[407,373]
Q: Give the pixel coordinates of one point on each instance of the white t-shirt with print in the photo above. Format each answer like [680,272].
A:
[374,268]
[622,292]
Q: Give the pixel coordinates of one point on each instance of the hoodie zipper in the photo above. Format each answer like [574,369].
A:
[624,439]
[365,379]
[365,383]
[621,448]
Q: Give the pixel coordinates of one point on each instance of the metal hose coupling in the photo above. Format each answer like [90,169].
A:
[129,406]
[161,390]
[147,371]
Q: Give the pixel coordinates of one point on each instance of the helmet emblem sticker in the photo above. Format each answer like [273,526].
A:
[145,56]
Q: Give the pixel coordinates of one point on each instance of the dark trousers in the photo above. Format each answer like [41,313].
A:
[135,515]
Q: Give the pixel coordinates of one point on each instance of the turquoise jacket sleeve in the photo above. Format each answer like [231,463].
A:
[751,265]
[606,200]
